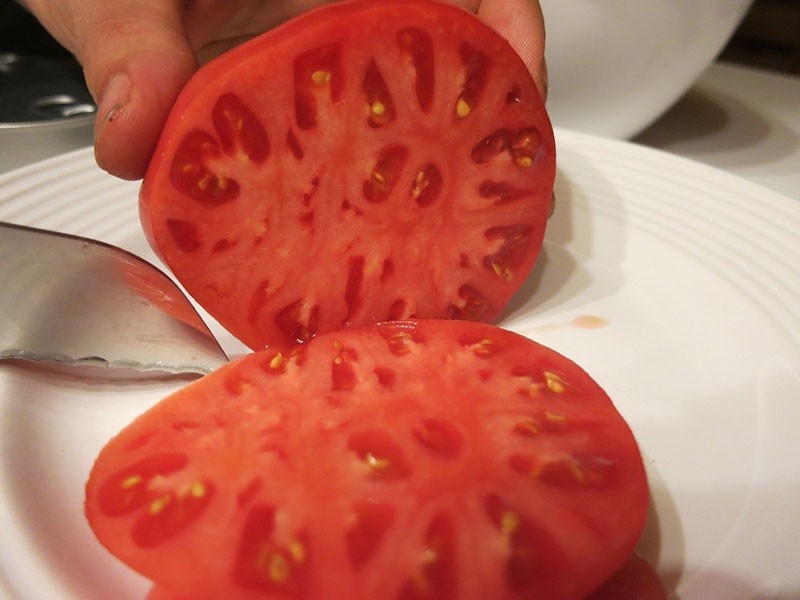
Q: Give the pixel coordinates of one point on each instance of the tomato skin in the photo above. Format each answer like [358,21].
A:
[370,160]
[453,460]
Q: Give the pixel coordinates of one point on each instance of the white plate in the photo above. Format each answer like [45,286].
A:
[676,286]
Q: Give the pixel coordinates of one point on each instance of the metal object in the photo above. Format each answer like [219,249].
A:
[73,300]
[45,108]
[40,90]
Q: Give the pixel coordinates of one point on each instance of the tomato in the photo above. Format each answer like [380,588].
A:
[635,580]
[368,161]
[438,459]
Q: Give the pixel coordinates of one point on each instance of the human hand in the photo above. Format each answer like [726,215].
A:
[138,54]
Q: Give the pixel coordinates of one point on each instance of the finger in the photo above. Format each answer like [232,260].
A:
[136,58]
[522,24]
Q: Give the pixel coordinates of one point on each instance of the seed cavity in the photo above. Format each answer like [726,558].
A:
[471,305]
[477,66]
[381,108]
[240,131]
[385,173]
[502,192]
[386,376]
[191,174]
[440,436]
[514,241]
[417,45]
[353,294]
[382,457]
[258,300]
[532,552]
[298,321]
[265,564]
[370,522]
[343,374]
[317,78]
[184,234]
[435,576]
[523,146]
[554,382]
[526,146]
[171,513]
[401,342]
[527,427]
[127,490]
[427,185]
[294,145]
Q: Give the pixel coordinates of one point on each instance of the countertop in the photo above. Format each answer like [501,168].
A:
[742,120]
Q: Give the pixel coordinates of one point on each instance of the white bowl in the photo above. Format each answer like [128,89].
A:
[616,65]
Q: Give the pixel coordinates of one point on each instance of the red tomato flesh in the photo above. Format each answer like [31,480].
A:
[444,460]
[367,161]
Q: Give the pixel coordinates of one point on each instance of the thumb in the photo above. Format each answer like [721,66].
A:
[521,22]
[136,58]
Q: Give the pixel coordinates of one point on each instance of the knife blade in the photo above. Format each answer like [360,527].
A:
[77,301]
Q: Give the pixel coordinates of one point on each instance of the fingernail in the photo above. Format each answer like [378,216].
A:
[113,97]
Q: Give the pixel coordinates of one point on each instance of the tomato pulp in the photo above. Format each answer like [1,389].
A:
[445,460]
[367,161]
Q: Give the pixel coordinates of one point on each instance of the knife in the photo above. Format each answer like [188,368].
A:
[72,300]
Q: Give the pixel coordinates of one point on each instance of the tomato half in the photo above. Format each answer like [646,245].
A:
[433,460]
[368,161]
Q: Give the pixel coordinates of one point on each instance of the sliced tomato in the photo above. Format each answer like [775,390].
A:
[431,460]
[368,161]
